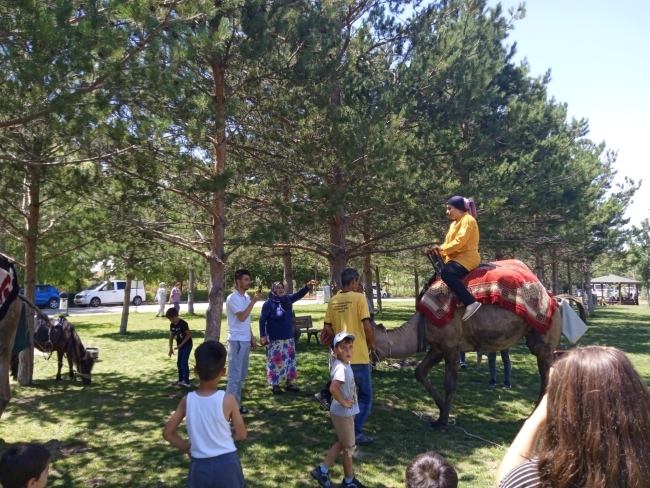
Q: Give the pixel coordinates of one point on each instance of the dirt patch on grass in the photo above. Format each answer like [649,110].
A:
[60,451]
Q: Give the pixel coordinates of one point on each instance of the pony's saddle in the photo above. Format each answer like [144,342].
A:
[47,335]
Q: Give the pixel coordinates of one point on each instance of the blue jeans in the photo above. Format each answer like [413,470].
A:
[364,395]
[492,364]
[182,361]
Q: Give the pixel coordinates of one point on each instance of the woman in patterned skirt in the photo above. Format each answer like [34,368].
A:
[276,333]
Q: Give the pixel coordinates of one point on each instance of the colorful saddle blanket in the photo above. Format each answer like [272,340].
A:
[509,284]
[8,285]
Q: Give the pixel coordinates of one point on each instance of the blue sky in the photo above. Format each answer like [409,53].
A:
[599,56]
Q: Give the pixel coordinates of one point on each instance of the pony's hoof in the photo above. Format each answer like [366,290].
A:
[58,378]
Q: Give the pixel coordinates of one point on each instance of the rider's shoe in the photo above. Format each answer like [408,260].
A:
[471,310]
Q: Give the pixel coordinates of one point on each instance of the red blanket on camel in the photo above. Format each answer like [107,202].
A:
[510,284]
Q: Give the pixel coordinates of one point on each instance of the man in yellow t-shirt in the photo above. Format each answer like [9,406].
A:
[348,311]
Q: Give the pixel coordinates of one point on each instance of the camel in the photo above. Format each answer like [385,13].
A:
[490,329]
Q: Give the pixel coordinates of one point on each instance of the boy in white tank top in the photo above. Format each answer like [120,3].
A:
[211,448]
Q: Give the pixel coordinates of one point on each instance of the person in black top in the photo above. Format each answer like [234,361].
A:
[178,328]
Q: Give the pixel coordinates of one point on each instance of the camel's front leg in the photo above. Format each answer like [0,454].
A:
[59,357]
[433,357]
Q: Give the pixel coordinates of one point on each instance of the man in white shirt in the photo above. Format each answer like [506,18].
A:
[240,334]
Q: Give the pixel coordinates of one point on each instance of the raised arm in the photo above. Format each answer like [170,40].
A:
[522,448]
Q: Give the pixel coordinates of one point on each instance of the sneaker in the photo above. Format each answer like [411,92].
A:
[355,484]
[492,383]
[323,401]
[507,385]
[363,439]
[243,410]
[184,384]
[471,310]
[322,478]
[463,366]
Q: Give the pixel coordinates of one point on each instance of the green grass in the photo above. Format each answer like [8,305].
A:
[109,433]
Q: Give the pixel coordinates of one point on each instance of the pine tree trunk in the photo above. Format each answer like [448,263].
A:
[338,258]
[31,205]
[539,268]
[288,271]
[555,287]
[217,257]
[367,276]
[569,277]
[417,284]
[586,290]
[190,293]
[127,302]
[378,289]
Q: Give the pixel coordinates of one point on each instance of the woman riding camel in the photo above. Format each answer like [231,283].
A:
[460,250]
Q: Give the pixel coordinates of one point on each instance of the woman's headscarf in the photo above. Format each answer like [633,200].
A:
[463,204]
[277,310]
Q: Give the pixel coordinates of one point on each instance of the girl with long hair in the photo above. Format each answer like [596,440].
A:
[593,423]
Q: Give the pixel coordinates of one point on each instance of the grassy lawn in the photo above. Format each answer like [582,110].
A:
[109,433]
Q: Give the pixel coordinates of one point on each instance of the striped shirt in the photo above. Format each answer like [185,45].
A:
[525,475]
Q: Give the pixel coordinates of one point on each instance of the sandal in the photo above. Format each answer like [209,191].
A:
[276,390]
[292,388]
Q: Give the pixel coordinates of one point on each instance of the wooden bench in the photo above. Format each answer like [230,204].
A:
[305,324]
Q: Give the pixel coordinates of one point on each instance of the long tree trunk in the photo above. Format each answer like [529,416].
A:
[378,289]
[417,284]
[217,257]
[127,302]
[555,275]
[288,271]
[32,209]
[586,290]
[190,293]
[539,267]
[367,276]
[338,258]
[569,277]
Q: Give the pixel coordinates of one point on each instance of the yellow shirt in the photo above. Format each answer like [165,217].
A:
[461,243]
[345,312]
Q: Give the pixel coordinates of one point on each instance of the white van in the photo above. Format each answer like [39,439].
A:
[110,293]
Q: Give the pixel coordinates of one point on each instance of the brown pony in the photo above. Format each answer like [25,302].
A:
[63,339]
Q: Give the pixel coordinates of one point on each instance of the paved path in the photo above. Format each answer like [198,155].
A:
[198,307]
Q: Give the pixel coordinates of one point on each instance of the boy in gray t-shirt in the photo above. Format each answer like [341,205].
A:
[344,408]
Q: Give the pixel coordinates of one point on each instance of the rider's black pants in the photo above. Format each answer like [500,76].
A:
[451,274]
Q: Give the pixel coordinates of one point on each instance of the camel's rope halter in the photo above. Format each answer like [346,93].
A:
[390,349]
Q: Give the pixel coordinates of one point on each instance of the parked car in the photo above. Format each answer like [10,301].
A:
[110,293]
[45,296]
[374,292]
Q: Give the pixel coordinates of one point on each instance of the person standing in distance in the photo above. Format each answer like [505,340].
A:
[175,297]
[348,312]
[240,334]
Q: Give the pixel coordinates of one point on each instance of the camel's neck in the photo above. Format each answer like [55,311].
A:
[401,342]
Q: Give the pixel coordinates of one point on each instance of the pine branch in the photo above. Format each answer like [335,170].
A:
[63,163]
